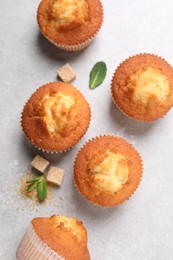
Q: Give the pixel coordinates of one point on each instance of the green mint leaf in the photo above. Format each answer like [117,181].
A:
[97,74]
[41,190]
[38,179]
[32,186]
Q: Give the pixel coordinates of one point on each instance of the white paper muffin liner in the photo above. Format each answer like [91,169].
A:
[33,248]
[94,202]
[115,103]
[73,48]
[54,151]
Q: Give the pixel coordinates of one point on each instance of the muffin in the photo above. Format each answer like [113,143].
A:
[70,24]
[57,237]
[107,170]
[55,117]
[142,87]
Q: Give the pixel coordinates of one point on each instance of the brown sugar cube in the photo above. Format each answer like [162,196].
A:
[55,175]
[39,163]
[66,73]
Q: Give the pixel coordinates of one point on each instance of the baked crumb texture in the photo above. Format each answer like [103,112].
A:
[39,163]
[55,117]
[57,237]
[142,87]
[107,170]
[66,73]
[70,23]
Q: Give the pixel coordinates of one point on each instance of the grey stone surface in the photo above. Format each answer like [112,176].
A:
[140,228]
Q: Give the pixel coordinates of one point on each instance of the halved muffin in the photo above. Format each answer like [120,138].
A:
[142,87]
[107,170]
[55,117]
[57,237]
[70,24]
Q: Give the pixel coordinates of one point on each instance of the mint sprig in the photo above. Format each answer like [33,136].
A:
[41,190]
[35,179]
[32,186]
[97,74]
[40,184]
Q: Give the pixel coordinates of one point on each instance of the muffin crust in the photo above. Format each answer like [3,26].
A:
[66,236]
[142,87]
[107,170]
[55,117]
[147,83]
[69,14]
[69,22]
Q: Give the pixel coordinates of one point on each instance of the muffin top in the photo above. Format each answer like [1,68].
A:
[107,170]
[142,87]
[66,236]
[69,22]
[67,15]
[55,117]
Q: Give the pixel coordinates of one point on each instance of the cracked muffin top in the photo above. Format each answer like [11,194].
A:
[107,170]
[66,236]
[55,117]
[142,87]
[69,22]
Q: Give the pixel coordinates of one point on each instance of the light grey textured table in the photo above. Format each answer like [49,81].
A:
[140,229]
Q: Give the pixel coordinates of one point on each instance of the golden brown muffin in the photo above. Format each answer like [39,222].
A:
[142,87]
[107,170]
[57,237]
[70,24]
[55,117]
